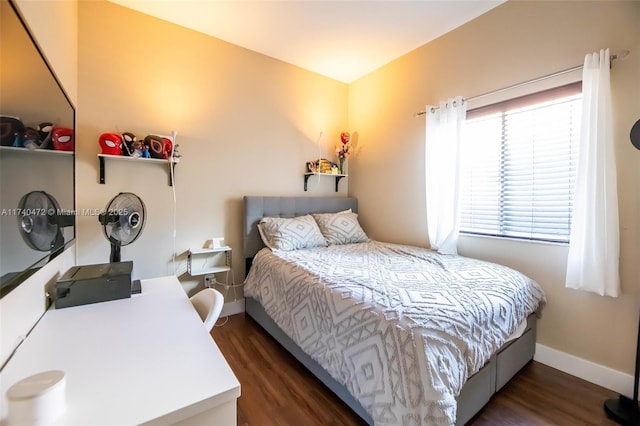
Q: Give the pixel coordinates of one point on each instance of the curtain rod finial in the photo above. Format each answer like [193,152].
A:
[621,55]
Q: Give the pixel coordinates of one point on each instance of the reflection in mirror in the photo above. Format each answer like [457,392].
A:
[37,124]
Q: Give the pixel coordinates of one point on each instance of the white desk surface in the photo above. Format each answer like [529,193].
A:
[128,361]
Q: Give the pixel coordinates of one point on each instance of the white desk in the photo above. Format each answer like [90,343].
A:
[147,359]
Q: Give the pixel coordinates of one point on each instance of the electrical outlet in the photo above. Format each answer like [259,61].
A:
[209,280]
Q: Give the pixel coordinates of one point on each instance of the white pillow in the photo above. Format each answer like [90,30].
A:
[286,234]
[340,228]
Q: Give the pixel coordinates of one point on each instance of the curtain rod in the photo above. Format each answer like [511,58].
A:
[623,54]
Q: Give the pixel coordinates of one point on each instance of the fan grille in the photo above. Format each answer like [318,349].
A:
[124,218]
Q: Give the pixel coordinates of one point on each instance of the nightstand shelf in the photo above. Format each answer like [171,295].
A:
[212,261]
[209,261]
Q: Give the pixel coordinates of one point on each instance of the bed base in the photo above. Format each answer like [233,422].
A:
[475,394]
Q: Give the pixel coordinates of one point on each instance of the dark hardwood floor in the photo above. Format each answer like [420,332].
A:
[278,390]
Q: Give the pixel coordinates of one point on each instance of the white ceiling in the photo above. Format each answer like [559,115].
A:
[343,40]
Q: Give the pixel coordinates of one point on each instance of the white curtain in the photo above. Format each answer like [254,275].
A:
[442,174]
[594,245]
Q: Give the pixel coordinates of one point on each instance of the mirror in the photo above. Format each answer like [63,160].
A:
[36,168]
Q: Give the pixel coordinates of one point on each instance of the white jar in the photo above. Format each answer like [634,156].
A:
[37,399]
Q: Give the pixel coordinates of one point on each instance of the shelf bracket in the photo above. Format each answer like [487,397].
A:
[336,177]
[306,179]
[172,172]
[101,170]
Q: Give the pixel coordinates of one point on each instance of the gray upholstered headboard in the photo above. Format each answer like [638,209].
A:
[255,208]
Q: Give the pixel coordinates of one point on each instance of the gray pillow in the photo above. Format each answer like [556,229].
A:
[340,228]
[286,234]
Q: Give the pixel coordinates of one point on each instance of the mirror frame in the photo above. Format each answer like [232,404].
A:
[21,276]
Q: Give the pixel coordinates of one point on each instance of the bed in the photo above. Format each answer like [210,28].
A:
[356,315]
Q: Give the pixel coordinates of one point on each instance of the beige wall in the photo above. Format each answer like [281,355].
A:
[513,43]
[246,125]
[55,27]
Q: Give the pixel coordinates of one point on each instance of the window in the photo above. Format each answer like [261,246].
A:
[519,162]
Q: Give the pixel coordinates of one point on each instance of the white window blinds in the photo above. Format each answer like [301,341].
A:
[519,166]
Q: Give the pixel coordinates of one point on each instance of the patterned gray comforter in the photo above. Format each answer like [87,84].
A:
[401,327]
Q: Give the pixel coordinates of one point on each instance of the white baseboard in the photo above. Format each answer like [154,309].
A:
[600,375]
[232,308]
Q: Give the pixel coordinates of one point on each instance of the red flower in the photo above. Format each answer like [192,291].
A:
[343,151]
[345,137]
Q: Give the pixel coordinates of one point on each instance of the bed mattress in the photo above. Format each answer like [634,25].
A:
[401,327]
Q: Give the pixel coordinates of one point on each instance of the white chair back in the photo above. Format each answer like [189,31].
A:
[208,303]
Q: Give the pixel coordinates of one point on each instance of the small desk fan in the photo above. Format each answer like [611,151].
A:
[40,221]
[122,221]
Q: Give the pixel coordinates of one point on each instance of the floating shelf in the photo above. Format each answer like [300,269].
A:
[35,151]
[213,270]
[206,256]
[336,176]
[102,157]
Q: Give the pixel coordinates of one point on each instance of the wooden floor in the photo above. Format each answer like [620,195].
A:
[277,390]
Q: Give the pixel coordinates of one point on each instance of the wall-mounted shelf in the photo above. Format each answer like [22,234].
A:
[34,151]
[102,158]
[309,174]
[207,261]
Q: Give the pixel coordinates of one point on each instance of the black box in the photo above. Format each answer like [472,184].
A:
[82,285]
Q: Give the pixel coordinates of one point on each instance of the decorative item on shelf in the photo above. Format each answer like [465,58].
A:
[176,154]
[31,138]
[217,242]
[138,149]
[155,145]
[320,166]
[45,129]
[343,151]
[62,139]
[13,133]
[10,129]
[325,165]
[152,146]
[111,143]
[167,148]
[128,140]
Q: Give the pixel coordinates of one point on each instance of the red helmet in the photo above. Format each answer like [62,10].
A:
[111,143]
[62,139]
[167,148]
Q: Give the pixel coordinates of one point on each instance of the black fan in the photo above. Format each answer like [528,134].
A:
[40,221]
[123,221]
